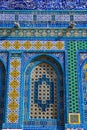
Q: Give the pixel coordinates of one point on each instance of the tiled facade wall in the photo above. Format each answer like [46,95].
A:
[48,34]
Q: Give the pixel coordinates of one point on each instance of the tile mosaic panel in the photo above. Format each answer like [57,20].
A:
[32,45]
[63,17]
[80,17]
[25,17]
[74,118]
[14,90]
[7,17]
[44,17]
[40,19]
[41,110]
[72,78]
[43,88]
[73,46]
[42,33]
[43,4]
[73,84]
[28,56]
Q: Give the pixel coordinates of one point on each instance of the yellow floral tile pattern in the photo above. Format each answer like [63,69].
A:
[15,63]
[48,45]
[13,94]
[15,73]
[13,117]
[13,105]
[32,45]
[14,84]
[16,45]
[14,90]
[27,45]
[6,44]
[38,45]
[59,45]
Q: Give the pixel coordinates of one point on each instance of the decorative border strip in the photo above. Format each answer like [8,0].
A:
[43,19]
[14,90]
[26,33]
[13,15]
[32,45]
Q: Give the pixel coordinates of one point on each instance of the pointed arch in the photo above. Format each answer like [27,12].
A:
[44,90]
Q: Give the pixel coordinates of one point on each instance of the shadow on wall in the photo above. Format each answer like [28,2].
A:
[2,92]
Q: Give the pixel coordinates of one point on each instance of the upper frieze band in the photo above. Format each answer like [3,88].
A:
[43,4]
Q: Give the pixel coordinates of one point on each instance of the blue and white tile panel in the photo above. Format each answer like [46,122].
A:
[7,17]
[44,17]
[25,17]
[80,17]
[63,17]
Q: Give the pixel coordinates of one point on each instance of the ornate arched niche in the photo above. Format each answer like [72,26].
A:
[44,92]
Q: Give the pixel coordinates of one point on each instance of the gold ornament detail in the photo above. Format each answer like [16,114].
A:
[59,45]
[27,45]
[14,84]
[13,117]
[6,44]
[38,45]
[48,45]
[14,94]
[17,45]
[15,63]
[13,105]
[85,66]
[15,73]
[86,75]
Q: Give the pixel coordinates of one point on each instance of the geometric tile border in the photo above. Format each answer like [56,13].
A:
[31,45]
[14,90]
[34,33]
